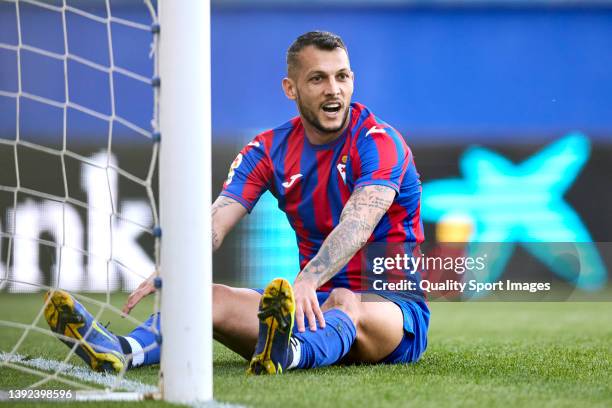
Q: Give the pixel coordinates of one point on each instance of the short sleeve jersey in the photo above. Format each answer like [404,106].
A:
[312,183]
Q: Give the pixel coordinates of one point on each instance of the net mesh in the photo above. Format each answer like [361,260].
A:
[78,157]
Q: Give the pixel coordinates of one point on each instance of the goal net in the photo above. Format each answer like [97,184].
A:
[81,119]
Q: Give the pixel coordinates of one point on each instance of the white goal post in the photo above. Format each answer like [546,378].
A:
[91,234]
[185,199]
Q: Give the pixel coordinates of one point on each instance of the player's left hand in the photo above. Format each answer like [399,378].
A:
[144,289]
[307,304]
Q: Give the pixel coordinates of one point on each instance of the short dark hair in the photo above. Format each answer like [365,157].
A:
[323,40]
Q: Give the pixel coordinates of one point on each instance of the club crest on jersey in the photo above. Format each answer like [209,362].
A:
[342,168]
[233,167]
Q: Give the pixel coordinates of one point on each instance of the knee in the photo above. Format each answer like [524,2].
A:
[345,300]
[220,296]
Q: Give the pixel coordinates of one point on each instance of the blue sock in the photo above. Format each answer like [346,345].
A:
[144,335]
[327,346]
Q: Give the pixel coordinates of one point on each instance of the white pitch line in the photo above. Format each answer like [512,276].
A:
[107,380]
[80,373]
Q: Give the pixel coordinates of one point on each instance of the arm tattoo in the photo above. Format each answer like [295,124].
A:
[216,242]
[219,203]
[360,215]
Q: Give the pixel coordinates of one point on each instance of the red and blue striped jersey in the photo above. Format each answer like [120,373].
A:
[312,183]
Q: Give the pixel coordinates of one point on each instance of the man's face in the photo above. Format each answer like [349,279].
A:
[323,87]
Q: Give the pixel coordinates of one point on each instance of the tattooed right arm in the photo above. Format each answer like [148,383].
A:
[226,212]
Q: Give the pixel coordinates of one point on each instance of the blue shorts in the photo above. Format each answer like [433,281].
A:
[416,323]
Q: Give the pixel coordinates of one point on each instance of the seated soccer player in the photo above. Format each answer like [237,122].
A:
[345,179]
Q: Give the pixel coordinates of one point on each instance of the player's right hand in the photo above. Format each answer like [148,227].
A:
[144,289]
[307,305]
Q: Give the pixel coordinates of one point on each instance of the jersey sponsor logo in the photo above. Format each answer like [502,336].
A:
[233,167]
[374,129]
[292,180]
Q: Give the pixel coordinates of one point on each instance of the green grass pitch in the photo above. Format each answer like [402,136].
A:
[479,354]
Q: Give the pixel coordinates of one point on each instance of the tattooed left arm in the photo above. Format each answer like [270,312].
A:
[360,216]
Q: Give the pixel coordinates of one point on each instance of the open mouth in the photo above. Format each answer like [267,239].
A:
[331,107]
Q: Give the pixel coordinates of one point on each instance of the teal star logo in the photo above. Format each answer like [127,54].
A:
[521,204]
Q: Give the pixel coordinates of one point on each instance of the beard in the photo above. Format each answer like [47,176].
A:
[311,117]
